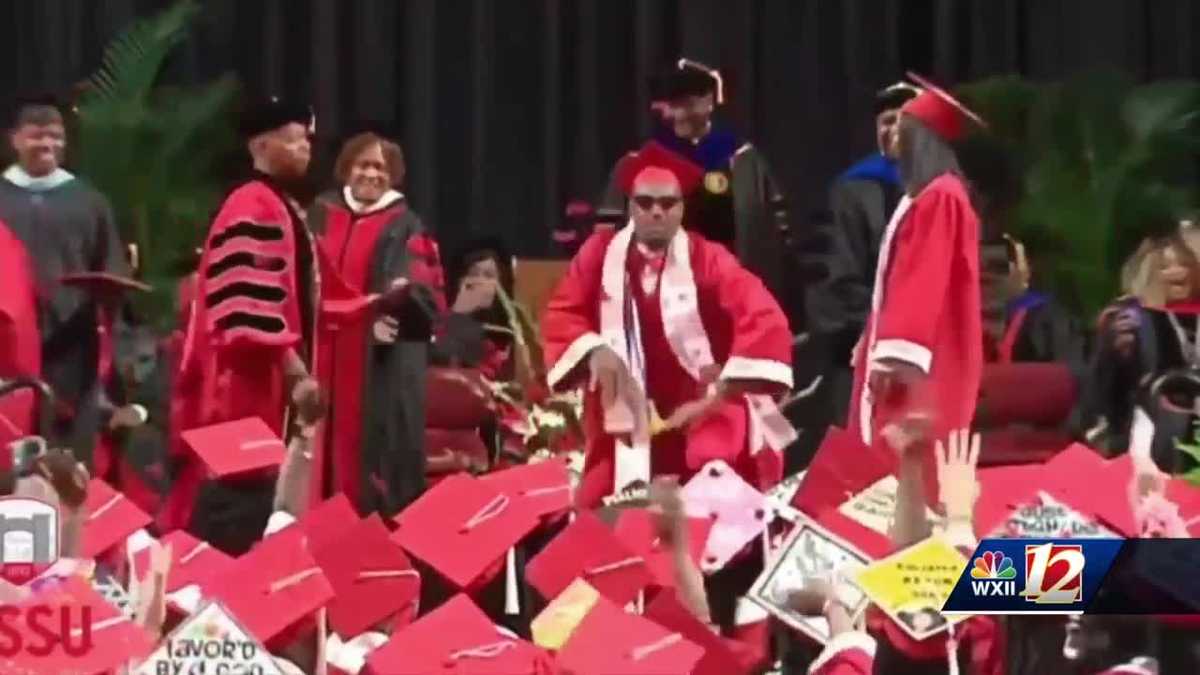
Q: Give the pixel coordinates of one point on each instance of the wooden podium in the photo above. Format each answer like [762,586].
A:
[535,280]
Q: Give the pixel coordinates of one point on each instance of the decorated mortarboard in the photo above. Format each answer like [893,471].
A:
[654,155]
[111,518]
[212,640]
[738,512]
[456,638]
[463,527]
[99,636]
[236,448]
[272,588]
[554,625]
[373,580]
[945,115]
[610,641]
[894,96]
[688,78]
[588,549]
[273,112]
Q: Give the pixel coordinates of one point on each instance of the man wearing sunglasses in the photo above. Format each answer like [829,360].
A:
[678,345]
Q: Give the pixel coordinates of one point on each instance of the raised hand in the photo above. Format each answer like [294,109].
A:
[956,469]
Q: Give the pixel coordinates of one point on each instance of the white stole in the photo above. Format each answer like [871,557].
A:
[684,329]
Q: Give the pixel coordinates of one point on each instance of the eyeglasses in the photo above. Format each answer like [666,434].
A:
[647,202]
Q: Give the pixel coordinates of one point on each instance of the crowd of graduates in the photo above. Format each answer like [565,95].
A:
[768,414]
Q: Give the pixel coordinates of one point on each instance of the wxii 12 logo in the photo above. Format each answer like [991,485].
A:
[29,546]
[1014,576]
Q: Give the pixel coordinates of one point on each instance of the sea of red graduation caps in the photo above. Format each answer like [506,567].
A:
[460,531]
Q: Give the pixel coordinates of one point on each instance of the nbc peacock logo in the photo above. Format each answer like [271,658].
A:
[993,574]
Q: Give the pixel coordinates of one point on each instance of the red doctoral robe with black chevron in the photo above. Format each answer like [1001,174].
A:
[373,449]
[255,300]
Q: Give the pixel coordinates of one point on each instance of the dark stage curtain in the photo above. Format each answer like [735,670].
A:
[507,108]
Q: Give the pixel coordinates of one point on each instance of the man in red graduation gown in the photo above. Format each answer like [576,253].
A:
[20,341]
[249,344]
[374,243]
[918,363]
[657,320]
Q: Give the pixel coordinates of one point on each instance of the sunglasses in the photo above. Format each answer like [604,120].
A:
[647,202]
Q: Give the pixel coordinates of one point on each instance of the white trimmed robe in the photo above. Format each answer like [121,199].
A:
[679,323]
[925,311]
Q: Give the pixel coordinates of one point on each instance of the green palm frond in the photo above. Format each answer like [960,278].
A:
[132,61]
[1102,163]
[155,151]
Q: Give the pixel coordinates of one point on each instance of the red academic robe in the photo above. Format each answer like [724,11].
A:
[354,266]
[699,317]
[20,340]
[925,311]
[254,300]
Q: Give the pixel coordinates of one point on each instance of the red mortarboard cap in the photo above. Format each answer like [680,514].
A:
[1077,476]
[842,466]
[543,489]
[1001,488]
[372,579]
[111,518]
[323,524]
[462,527]
[238,447]
[113,641]
[103,282]
[938,110]
[588,549]
[654,155]
[275,585]
[455,638]
[636,528]
[611,641]
[739,513]
[192,561]
[668,612]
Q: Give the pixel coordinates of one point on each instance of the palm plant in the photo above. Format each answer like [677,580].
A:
[155,151]
[1101,164]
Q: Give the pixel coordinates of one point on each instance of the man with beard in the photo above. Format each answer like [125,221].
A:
[738,204]
[249,346]
[375,244]
[67,228]
[919,361]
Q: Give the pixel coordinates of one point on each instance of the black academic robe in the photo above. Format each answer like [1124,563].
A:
[67,229]
[739,204]
[861,201]
[376,444]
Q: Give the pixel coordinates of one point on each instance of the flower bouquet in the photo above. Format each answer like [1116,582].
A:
[535,423]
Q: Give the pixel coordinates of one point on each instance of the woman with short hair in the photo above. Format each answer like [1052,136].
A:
[372,243]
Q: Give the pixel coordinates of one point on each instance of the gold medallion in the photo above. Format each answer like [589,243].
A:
[716,182]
